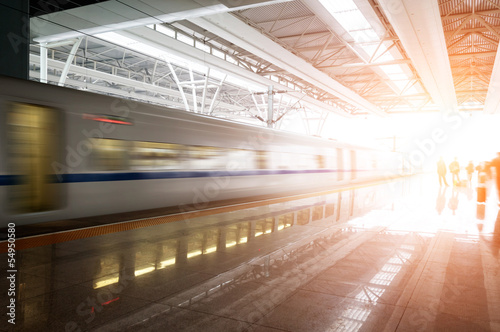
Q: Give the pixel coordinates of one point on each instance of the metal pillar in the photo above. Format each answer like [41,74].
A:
[270,106]
[205,87]
[70,59]
[193,90]
[179,85]
[43,62]
[216,95]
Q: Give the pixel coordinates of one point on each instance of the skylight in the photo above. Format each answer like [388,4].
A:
[347,14]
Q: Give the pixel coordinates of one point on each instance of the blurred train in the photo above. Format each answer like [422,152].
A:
[66,153]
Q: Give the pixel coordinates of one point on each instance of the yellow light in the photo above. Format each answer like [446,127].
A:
[230,244]
[106,282]
[193,253]
[166,263]
[144,271]
[281,227]
[244,240]
[258,234]
[211,249]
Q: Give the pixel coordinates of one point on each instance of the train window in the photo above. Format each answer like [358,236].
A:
[331,160]
[340,164]
[33,137]
[261,159]
[241,159]
[207,157]
[320,161]
[307,161]
[154,156]
[109,154]
[204,152]
[304,161]
[284,160]
[353,164]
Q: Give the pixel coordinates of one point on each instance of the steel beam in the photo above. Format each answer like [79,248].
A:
[246,37]
[71,57]
[164,43]
[419,27]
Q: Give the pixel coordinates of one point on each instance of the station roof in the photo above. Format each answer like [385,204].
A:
[350,57]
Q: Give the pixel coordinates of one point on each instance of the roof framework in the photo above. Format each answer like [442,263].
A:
[347,61]
[472,34]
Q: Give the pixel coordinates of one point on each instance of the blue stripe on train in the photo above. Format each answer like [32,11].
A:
[7,180]
[127,176]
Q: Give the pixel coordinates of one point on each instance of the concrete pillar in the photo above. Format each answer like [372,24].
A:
[14,38]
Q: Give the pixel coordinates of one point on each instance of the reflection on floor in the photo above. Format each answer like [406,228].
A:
[406,256]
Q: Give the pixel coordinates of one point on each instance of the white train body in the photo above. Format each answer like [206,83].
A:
[67,154]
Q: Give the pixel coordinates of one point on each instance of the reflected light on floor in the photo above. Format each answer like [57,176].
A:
[106,282]
[165,263]
[210,250]
[144,271]
[356,316]
[194,253]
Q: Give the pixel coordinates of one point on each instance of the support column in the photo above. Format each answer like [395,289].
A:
[212,104]
[270,107]
[43,62]
[69,61]
[14,38]
[179,85]
[205,87]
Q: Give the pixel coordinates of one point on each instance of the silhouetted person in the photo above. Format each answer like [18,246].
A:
[487,169]
[496,164]
[441,169]
[470,170]
[441,200]
[455,170]
[453,202]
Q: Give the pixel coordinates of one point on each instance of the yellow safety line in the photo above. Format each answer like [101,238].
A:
[82,233]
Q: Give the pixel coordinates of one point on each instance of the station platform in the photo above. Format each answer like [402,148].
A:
[402,255]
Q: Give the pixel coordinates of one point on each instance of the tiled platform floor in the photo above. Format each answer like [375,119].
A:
[423,262]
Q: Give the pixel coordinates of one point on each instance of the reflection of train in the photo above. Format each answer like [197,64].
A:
[162,263]
[66,153]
